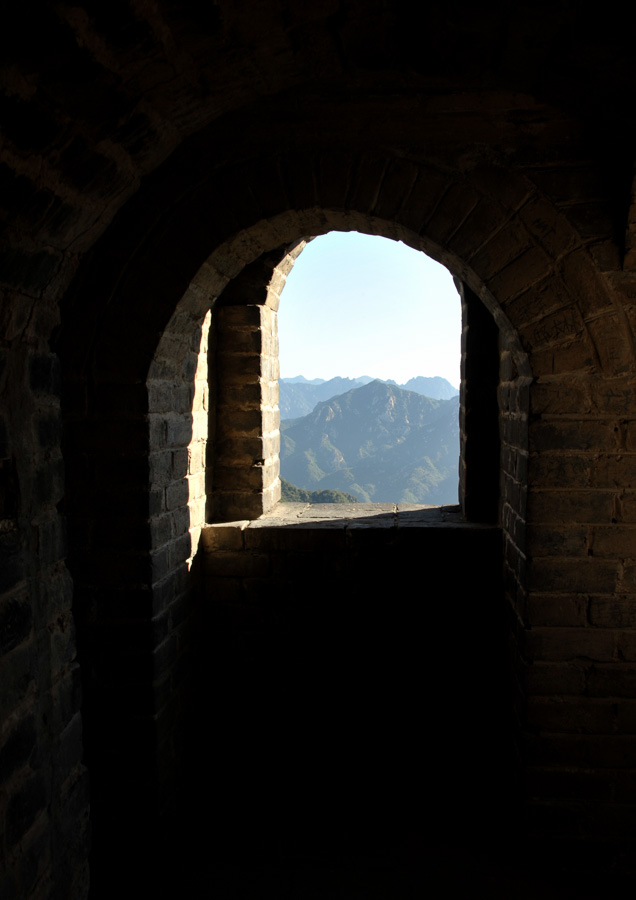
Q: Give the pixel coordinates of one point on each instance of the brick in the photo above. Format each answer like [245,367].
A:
[513,430]
[612,680]
[240,564]
[565,396]
[612,396]
[585,751]
[571,507]
[180,550]
[514,525]
[576,357]
[555,540]
[177,494]
[197,510]
[580,715]
[579,274]
[571,643]
[242,421]
[502,248]
[528,268]
[625,507]
[582,469]
[571,575]
[160,530]
[236,451]
[196,486]
[229,506]
[549,678]
[611,343]
[245,478]
[543,298]
[626,645]
[196,458]
[557,610]
[544,222]
[573,434]
[243,317]
[160,564]
[298,538]
[178,430]
[512,492]
[160,397]
[484,220]
[616,611]
[613,541]
[627,582]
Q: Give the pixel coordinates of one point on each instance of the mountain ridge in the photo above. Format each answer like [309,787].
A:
[377,441]
[299,395]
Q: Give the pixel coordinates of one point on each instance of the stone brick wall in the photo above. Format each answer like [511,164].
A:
[247,438]
[514,318]
[42,776]
[151,154]
[359,683]
[243,462]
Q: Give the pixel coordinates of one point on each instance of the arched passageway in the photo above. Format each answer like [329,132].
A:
[158,160]
[244,276]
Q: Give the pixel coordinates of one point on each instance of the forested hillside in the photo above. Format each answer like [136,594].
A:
[378,442]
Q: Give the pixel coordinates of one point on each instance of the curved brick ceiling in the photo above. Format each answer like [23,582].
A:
[96,97]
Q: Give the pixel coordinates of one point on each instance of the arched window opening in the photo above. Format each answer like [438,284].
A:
[370,331]
[243,461]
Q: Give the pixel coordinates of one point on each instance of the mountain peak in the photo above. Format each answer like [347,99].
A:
[377,441]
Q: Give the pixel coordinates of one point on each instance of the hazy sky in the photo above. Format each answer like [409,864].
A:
[361,305]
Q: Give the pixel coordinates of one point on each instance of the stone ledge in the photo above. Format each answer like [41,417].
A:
[356,516]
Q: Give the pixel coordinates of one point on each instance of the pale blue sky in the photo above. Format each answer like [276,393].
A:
[356,304]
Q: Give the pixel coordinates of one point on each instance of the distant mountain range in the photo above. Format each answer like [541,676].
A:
[377,441]
[298,396]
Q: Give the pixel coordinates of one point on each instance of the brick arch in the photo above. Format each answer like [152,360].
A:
[94,102]
[492,229]
[252,454]
[233,493]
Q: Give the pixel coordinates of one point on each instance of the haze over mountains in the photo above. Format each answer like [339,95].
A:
[377,441]
[298,396]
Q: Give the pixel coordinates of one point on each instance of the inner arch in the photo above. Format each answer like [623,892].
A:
[357,308]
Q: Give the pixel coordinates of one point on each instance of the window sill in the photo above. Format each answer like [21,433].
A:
[352,516]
